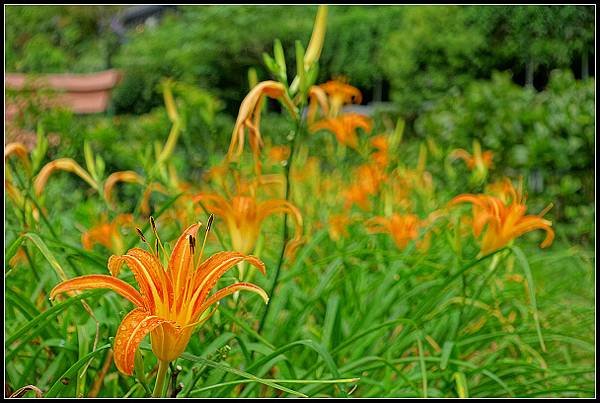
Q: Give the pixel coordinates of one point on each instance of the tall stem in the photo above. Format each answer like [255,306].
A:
[161,375]
[285,237]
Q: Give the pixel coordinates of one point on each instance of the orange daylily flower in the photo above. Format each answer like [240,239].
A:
[171,300]
[505,220]
[504,190]
[108,234]
[249,117]
[340,93]
[317,97]
[338,226]
[344,127]
[244,216]
[278,154]
[381,144]
[403,228]
[368,179]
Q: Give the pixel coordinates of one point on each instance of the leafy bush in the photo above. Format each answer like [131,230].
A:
[57,39]
[436,49]
[193,46]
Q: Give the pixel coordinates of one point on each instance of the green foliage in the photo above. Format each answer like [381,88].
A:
[57,39]
[194,46]
[437,49]
[433,50]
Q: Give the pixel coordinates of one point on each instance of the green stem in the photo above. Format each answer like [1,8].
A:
[285,237]
[161,375]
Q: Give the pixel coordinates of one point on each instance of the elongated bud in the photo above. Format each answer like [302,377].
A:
[313,52]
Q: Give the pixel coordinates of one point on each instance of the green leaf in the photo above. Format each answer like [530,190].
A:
[37,241]
[461,385]
[226,368]
[12,249]
[280,60]
[531,286]
[446,351]
[59,386]
[44,318]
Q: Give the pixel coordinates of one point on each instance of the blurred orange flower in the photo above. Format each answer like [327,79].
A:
[108,234]
[171,300]
[339,94]
[338,226]
[122,176]
[61,164]
[381,144]
[244,216]
[402,228]
[505,220]
[344,127]
[367,182]
[278,154]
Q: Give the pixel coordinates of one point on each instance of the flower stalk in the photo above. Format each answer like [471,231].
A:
[288,188]
[161,375]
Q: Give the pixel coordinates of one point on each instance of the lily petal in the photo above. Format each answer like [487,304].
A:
[199,308]
[93,281]
[209,272]
[181,260]
[132,330]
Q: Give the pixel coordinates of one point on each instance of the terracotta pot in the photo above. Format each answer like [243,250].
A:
[82,93]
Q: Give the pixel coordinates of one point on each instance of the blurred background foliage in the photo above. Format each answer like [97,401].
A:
[518,79]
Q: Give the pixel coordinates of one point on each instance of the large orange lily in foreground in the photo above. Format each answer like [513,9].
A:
[505,219]
[171,300]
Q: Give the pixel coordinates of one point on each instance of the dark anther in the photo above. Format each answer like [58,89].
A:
[141,234]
